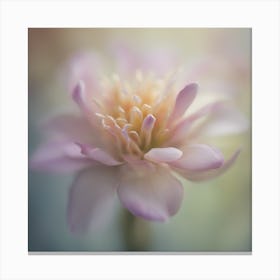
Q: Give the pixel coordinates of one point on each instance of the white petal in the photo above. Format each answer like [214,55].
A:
[163,154]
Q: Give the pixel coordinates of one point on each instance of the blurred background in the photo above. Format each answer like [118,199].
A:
[215,215]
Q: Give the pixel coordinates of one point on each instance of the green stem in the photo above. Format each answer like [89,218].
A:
[136,233]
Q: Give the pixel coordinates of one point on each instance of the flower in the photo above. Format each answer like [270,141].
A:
[133,132]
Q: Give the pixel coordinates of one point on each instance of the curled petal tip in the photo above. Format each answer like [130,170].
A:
[199,157]
[183,100]
[150,118]
[78,92]
[235,154]
[187,94]
[147,128]
[78,89]
[193,86]
[148,121]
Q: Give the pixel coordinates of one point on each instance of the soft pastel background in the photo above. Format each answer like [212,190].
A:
[216,215]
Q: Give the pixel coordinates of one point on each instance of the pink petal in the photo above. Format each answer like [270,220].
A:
[210,174]
[59,156]
[163,154]
[181,130]
[183,100]
[99,155]
[91,198]
[199,157]
[76,128]
[150,195]
[225,119]
[135,162]
[84,67]
[130,58]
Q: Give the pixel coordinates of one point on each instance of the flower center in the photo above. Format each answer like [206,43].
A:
[136,114]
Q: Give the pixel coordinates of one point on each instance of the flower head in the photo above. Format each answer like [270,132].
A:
[132,134]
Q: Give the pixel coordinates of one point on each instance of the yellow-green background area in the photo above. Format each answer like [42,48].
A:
[215,215]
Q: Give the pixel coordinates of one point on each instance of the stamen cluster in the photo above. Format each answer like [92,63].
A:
[136,114]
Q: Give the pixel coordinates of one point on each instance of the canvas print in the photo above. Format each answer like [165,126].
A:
[139,140]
